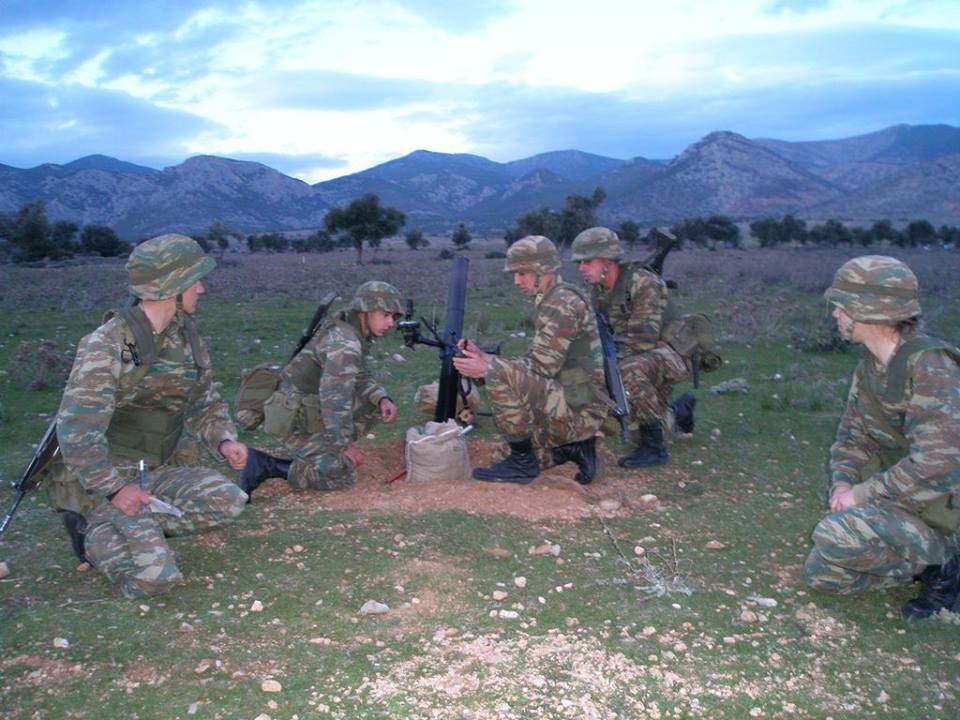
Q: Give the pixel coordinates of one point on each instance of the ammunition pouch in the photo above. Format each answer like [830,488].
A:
[943,514]
[65,491]
[256,387]
[280,412]
[143,434]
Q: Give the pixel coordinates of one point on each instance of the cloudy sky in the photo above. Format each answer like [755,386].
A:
[322,88]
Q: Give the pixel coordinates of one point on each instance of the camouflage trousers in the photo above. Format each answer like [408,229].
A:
[648,378]
[869,547]
[318,462]
[133,551]
[525,404]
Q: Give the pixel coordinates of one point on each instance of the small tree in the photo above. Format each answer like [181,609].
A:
[919,232]
[415,239]
[103,241]
[363,220]
[32,235]
[461,237]
[629,232]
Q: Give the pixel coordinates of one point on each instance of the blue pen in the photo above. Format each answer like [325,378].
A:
[141,482]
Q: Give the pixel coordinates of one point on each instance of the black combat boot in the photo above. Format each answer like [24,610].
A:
[940,588]
[583,453]
[683,412]
[520,466]
[650,451]
[76,527]
[259,467]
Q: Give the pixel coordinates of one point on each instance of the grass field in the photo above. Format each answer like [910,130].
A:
[545,601]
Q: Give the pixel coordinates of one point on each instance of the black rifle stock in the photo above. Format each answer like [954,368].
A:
[30,478]
[611,373]
[325,302]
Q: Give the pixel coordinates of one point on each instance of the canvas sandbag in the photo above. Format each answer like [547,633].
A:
[426,399]
[437,451]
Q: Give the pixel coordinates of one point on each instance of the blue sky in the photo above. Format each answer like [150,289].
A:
[323,88]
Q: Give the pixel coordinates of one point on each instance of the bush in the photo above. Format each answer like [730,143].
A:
[42,368]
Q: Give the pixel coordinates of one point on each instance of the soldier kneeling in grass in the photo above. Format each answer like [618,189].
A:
[326,398]
[549,403]
[895,464]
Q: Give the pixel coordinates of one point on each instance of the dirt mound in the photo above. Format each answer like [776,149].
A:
[553,495]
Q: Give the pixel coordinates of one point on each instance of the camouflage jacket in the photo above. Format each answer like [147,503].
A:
[635,308]
[906,451]
[334,366]
[101,383]
[565,344]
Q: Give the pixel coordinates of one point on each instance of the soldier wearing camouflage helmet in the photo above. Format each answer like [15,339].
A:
[326,398]
[141,389]
[549,403]
[634,303]
[895,463]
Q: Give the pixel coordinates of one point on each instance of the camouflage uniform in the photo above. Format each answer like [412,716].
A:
[637,311]
[330,398]
[897,445]
[555,392]
[115,412]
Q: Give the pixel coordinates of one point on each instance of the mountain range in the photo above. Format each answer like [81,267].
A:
[901,172]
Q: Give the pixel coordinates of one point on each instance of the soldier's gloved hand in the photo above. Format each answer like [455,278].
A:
[354,455]
[388,411]
[234,453]
[130,499]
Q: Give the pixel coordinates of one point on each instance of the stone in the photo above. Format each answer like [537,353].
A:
[271,686]
[256,606]
[520,581]
[499,595]
[372,607]
[609,505]
[748,616]
[509,614]
[714,545]
[60,642]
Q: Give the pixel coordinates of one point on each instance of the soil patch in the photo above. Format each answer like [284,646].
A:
[553,495]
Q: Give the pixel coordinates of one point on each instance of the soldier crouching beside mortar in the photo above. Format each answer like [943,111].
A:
[895,464]
[327,399]
[633,302]
[549,403]
[141,388]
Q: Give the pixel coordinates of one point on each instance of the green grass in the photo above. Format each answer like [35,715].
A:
[589,638]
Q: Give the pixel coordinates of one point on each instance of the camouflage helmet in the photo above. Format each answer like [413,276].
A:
[596,242]
[875,289]
[533,253]
[165,266]
[377,295]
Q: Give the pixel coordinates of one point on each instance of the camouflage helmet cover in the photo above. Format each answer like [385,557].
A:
[165,266]
[377,295]
[596,242]
[875,289]
[533,253]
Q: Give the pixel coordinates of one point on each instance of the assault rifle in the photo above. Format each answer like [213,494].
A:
[611,373]
[450,385]
[325,302]
[31,477]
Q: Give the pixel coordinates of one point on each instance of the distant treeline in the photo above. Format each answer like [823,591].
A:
[28,235]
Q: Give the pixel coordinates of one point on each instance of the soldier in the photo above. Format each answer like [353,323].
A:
[895,464]
[549,403]
[326,398]
[633,302]
[141,388]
